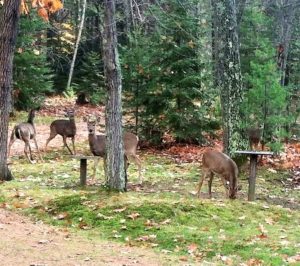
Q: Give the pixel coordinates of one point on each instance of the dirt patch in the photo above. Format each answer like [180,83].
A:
[24,242]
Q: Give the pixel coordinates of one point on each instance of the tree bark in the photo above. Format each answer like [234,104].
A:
[115,169]
[9,19]
[286,18]
[228,72]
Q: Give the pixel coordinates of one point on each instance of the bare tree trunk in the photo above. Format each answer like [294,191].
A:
[9,19]
[285,20]
[77,44]
[228,72]
[115,170]
[240,10]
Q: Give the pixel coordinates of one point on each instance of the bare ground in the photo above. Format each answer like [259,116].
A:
[24,242]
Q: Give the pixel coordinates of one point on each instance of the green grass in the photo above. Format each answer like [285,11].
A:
[164,213]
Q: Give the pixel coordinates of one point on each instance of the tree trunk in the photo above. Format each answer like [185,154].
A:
[286,18]
[115,169]
[9,19]
[77,44]
[228,72]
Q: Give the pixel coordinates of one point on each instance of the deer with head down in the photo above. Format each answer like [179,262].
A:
[97,145]
[25,131]
[215,162]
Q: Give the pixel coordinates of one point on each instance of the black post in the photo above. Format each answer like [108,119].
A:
[252,177]
[83,168]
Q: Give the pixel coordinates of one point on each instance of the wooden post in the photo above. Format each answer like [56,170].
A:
[83,168]
[253,167]
[252,177]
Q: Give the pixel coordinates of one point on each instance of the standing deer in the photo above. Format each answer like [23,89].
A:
[98,145]
[25,131]
[254,135]
[65,128]
[215,162]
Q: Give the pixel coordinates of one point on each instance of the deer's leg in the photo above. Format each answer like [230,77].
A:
[37,148]
[138,162]
[11,141]
[201,179]
[96,162]
[104,166]
[73,143]
[224,181]
[52,136]
[27,146]
[211,177]
[66,145]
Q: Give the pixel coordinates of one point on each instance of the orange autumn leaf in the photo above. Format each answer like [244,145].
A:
[43,13]
[52,5]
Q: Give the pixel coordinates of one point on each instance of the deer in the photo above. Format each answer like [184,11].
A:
[215,162]
[97,145]
[25,131]
[254,135]
[65,128]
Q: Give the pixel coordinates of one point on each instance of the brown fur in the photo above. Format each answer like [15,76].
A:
[98,145]
[215,162]
[65,128]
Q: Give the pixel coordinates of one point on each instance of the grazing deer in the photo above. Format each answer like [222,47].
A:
[215,162]
[254,135]
[25,131]
[98,145]
[65,128]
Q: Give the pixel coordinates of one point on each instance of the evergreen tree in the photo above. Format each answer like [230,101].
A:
[265,99]
[167,72]
[32,73]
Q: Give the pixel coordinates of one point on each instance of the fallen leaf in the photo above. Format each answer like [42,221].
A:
[120,210]
[43,241]
[192,248]
[254,262]
[133,215]
[269,221]
[61,216]
[167,221]
[294,259]
[104,217]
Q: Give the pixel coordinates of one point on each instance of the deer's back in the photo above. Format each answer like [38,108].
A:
[64,127]
[219,163]
[24,130]
[130,142]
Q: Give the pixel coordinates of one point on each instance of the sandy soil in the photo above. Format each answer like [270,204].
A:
[24,242]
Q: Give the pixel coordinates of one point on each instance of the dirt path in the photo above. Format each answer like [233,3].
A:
[24,242]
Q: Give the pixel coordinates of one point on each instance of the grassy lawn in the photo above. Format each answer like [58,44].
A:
[163,213]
